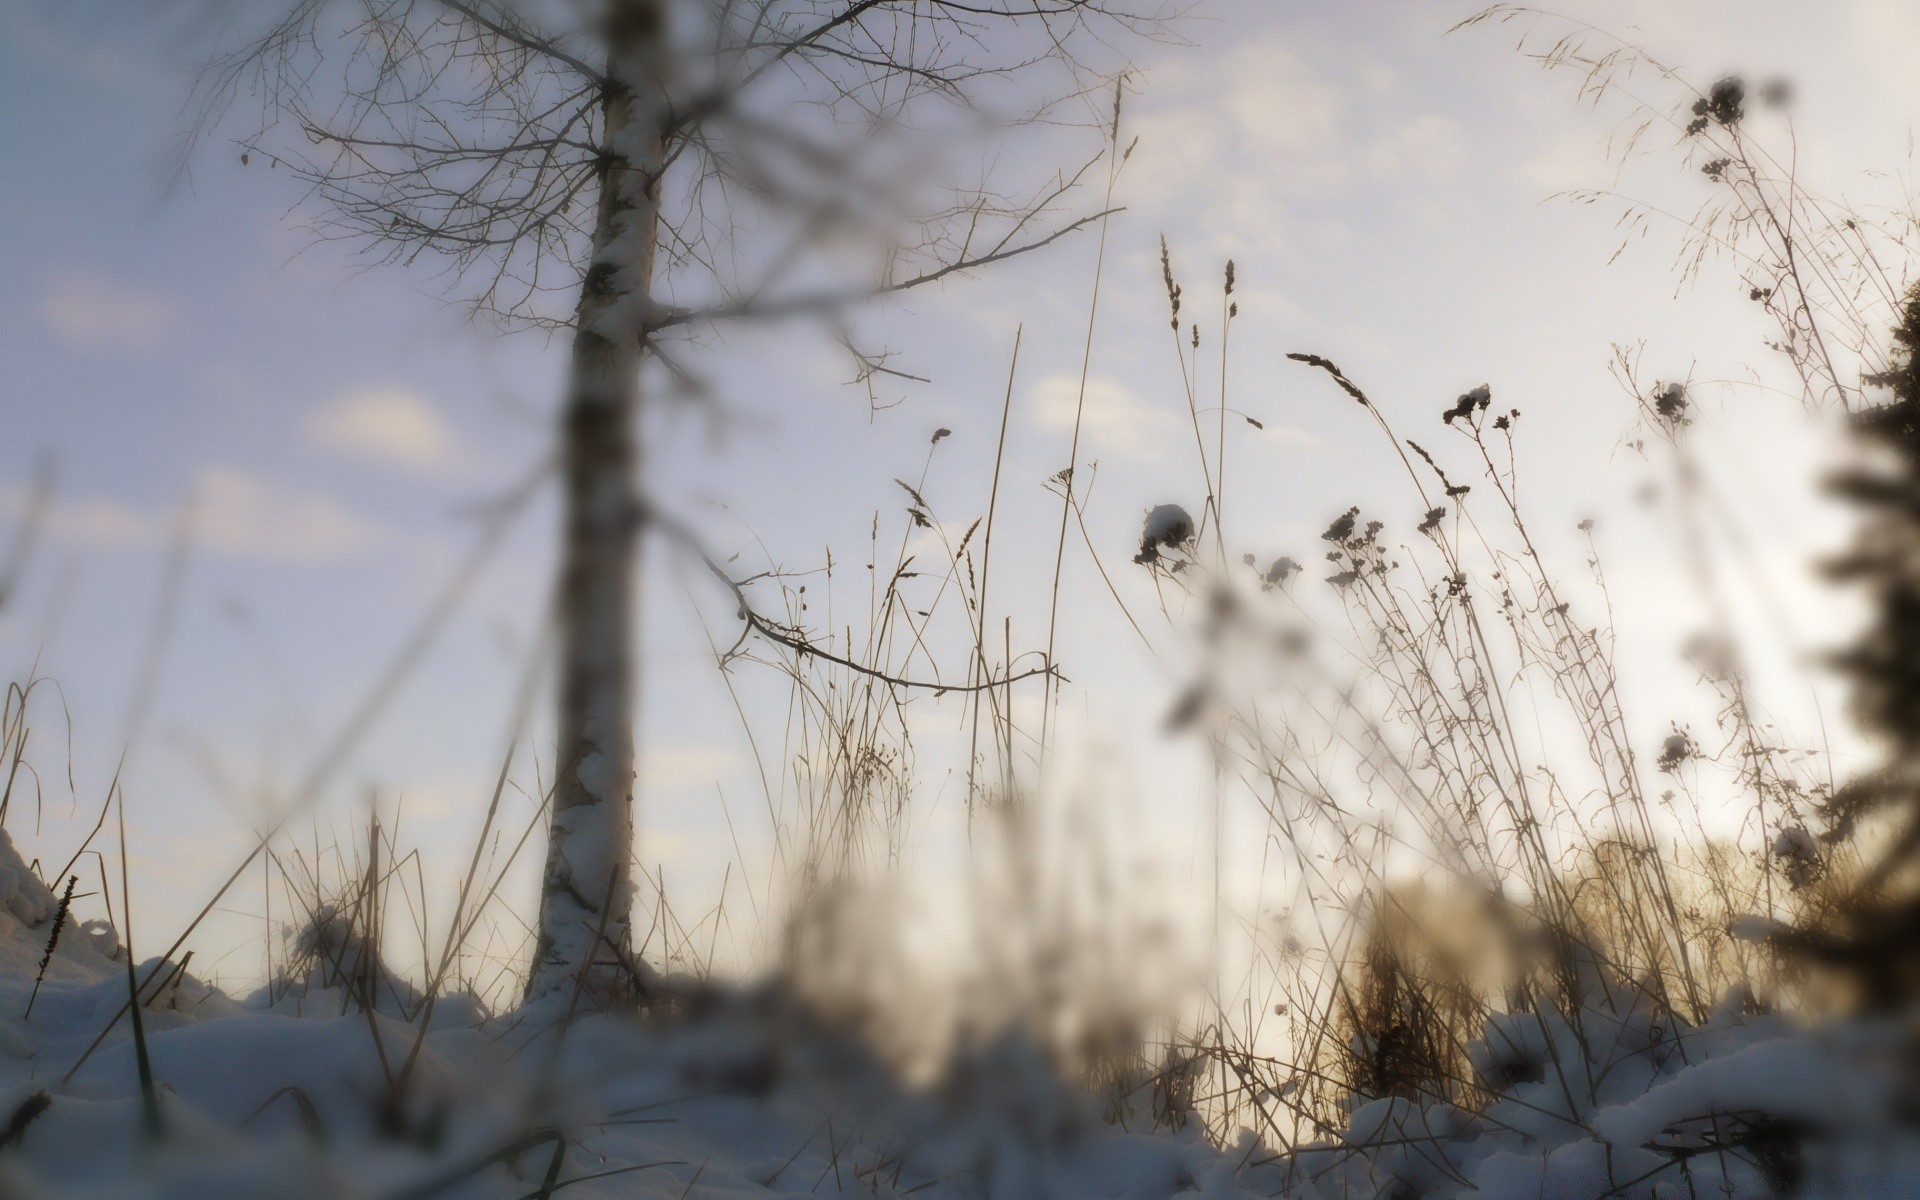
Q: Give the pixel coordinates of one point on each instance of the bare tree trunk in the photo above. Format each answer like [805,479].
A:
[586,897]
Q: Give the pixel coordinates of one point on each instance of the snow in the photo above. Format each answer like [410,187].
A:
[1787,1078]
[1166,525]
[738,1092]
[1620,1106]
[24,900]
[734,1093]
[1795,842]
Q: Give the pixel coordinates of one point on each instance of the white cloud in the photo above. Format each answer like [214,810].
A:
[1426,147]
[1562,163]
[389,425]
[1268,148]
[1115,421]
[1238,130]
[98,522]
[95,522]
[89,311]
[234,513]
[242,514]
[66,47]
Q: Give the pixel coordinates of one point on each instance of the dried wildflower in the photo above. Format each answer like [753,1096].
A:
[1671,403]
[1166,525]
[1795,842]
[1283,568]
[1677,749]
[1723,103]
[1433,519]
[1776,93]
[939,433]
[1717,169]
[1797,849]
[1468,402]
[1342,527]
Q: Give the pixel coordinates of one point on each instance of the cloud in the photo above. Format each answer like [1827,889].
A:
[73,48]
[1425,147]
[96,521]
[234,513]
[241,514]
[89,311]
[1116,422]
[387,425]
[1270,147]
[1275,127]
[1562,163]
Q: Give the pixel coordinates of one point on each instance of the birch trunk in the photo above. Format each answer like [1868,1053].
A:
[586,895]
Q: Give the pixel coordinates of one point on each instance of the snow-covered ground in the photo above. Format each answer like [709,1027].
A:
[732,1096]
[737,1094]
[1625,1102]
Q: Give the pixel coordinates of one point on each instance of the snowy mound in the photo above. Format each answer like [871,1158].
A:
[303,1090]
[1621,1100]
[300,1091]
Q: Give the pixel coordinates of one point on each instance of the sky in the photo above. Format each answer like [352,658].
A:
[1383,187]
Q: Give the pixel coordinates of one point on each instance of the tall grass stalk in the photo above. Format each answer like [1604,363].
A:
[151,1120]
[1116,160]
